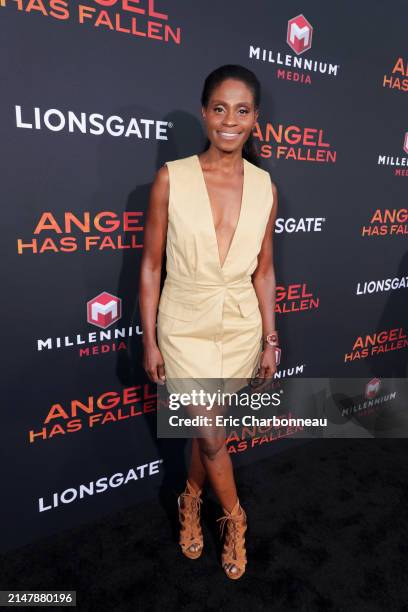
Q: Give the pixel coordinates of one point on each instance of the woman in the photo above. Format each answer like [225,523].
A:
[215,215]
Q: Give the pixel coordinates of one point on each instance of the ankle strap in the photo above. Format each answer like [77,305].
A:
[235,509]
[190,489]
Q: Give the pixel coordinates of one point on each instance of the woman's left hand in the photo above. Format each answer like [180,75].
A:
[267,364]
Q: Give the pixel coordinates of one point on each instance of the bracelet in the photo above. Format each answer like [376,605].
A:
[272,339]
[274,347]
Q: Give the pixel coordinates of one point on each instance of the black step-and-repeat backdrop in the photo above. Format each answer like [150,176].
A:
[95,97]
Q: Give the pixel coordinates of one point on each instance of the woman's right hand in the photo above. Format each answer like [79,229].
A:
[153,363]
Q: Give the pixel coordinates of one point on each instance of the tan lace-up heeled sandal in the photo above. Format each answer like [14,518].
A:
[191,535]
[234,552]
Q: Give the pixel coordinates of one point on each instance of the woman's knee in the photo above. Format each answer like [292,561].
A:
[211,447]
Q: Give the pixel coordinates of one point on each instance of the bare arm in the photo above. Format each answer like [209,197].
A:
[264,276]
[264,282]
[154,245]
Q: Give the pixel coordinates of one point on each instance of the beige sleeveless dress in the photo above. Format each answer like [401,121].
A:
[209,324]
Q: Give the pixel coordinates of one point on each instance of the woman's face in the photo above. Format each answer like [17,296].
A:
[230,115]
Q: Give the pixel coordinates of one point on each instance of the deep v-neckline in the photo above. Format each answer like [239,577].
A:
[211,217]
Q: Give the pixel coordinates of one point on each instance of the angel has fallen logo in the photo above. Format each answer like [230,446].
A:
[294,142]
[295,298]
[387,222]
[398,163]
[94,412]
[103,311]
[378,343]
[296,68]
[246,438]
[89,231]
[398,78]
[139,18]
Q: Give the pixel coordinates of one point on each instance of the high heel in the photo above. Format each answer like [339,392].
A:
[234,552]
[191,535]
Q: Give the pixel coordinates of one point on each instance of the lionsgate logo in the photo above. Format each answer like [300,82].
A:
[382,285]
[299,36]
[304,225]
[94,124]
[102,311]
[101,485]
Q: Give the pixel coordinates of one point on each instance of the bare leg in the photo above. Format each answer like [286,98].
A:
[210,457]
[196,476]
[218,465]
[197,472]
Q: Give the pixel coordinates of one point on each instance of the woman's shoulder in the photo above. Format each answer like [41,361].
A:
[181,161]
[172,165]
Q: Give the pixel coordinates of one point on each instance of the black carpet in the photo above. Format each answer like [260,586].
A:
[328,530]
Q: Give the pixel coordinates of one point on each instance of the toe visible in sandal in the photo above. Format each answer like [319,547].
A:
[234,551]
[191,535]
